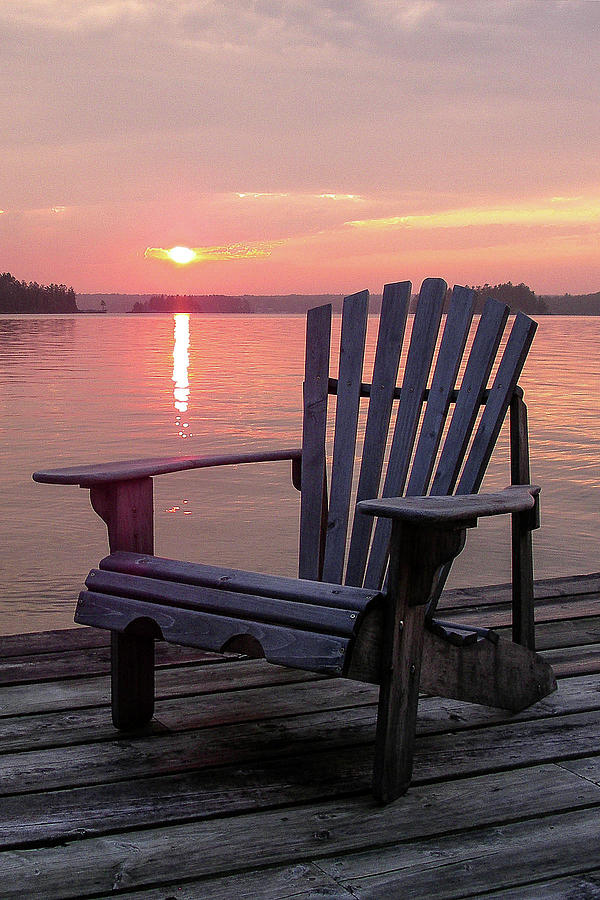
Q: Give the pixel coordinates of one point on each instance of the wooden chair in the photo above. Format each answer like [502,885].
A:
[349,613]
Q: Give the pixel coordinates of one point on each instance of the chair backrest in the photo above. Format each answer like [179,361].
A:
[432,436]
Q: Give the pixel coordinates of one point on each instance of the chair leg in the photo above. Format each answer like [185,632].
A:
[397,711]
[416,555]
[132,680]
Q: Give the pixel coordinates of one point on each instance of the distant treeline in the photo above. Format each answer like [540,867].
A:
[210,303]
[22,297]
[517,296]
[574,304]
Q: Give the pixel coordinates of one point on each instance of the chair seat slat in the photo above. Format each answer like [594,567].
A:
[300,649]
[257,583]
[309,616]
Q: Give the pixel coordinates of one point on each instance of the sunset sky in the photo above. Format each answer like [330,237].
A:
[316,146]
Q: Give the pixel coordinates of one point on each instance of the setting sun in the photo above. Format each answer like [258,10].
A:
[181,255]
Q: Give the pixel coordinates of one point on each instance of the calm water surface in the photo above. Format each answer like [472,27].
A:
[88,389]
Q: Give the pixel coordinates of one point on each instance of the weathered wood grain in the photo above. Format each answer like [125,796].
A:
[312,650]
[392,324]
[94,661]
[256,583]
[155,815]
[229,844]
[574,660]
[446,755]
[496,673]
[56,641]
[314,427]
[124,470]
[492,615]
[335,619]
[572,887]
[494,411]
[352,348]
[471,863]
[303,881]
[271,700]
[554,635]
[418,362]
[523,614]
[479,365]
[402,650]
[570,588]
[467,508]
[454,339]
[588,768]
[183,681]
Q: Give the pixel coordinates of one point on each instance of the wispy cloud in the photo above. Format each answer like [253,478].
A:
[297,197]
[559,211]
[209,254]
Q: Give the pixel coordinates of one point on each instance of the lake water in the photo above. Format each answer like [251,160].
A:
[95,388]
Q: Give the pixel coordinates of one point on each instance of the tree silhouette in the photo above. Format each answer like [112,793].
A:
[21,297]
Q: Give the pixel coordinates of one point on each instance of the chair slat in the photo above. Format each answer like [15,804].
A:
[298,590]
[308,616]
[494,413]
[318,340]
[456,331]
[481,359]
[352,348]
[418,363]
[392,324]
[314,651]
[505,382]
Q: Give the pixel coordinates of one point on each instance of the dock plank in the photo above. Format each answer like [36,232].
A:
[569,586]
[575,887]
[470,863]
[55,666]
[254,781]
[170,682]
[233,843]
[274,698]
[454,754]
[301,882]
[570,633]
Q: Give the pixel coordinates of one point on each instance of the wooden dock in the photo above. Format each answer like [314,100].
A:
[253,781]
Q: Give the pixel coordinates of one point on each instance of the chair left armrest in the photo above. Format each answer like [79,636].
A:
[129,470]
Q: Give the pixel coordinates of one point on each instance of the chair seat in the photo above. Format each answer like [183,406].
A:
[300,623]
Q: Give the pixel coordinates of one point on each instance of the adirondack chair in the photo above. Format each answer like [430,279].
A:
[367,612]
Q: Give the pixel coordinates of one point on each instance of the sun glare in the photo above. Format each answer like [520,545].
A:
[181,255]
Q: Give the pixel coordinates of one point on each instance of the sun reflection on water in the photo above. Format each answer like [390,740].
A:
[181,365]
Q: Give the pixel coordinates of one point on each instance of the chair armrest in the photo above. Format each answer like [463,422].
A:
[460,509]
[105,473]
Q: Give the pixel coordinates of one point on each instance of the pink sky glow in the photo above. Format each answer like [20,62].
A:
[300,147]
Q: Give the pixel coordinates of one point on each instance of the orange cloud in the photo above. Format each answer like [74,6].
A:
[560,211]
[184,255]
